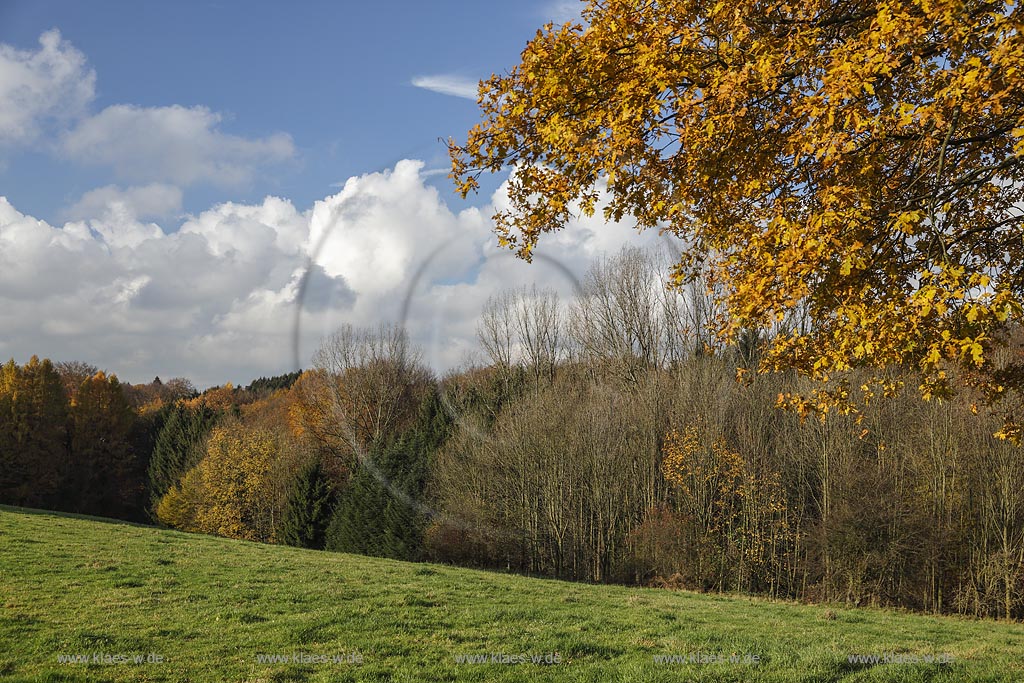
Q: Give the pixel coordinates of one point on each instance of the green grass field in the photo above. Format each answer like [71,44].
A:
[211,608]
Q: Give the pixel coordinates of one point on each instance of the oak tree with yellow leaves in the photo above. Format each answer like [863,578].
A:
[862,161]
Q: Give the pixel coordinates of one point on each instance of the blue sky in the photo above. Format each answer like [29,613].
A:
[171,173]
[334,76]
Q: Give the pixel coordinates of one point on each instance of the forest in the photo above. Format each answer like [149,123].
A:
[607,438]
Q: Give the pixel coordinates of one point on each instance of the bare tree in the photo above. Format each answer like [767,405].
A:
[626,319]
[495,330]
[73,373]
[366,385]
[538,324]
[522,328]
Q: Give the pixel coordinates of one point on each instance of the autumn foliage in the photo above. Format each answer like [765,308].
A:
[227,492]
[623,451]
[735,515]
[847,173]
[69,440]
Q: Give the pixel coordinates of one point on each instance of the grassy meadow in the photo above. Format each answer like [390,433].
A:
[200,608]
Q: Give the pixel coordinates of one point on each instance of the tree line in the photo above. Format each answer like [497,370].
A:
[603,439]
[71,438]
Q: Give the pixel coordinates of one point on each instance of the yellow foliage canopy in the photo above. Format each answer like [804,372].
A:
[859,161]
[229,492]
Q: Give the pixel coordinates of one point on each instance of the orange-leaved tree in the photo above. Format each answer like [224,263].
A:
[862,161]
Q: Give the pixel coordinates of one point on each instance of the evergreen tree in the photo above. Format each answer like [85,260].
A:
[382,511]
[146,428]
[357,525]
[178,447]
[307,513]
[404,516]
[434,422]
[266,385]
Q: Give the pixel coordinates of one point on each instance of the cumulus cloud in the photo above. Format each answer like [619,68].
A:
[129,296]
[49,91]
[448,84]
[182,145]
[156,200]
[222,297]
[43,86]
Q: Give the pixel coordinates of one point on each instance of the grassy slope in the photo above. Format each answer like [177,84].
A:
[208,605]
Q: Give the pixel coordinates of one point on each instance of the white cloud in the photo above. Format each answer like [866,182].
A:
[179,144]
[448,84]
[51,84]
[45,94]
[156,200]
[433,172]
[563,11]
[130,297]
[217,299]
